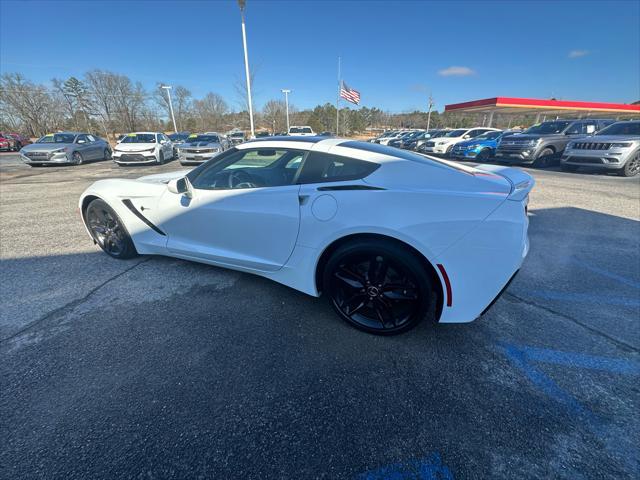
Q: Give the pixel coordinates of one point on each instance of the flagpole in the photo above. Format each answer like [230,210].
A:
[338,100]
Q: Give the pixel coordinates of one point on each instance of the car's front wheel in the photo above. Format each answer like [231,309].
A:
[632,167]
[544,159]
[108,231]
[106,154]
[77,158]
[160,159]
[484,155]
[378,286]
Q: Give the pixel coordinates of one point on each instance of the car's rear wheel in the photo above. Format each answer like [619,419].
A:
[108,231]
[632,167]
[544,159]
[377,286]
[77,158]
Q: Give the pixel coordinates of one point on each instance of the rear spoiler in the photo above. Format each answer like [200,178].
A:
[521,182]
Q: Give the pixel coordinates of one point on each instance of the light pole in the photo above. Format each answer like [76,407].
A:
[286,104]
[168,89]
[429,114]
[242,3]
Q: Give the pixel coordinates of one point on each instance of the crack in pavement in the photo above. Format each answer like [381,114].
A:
[620,343]
[70,305]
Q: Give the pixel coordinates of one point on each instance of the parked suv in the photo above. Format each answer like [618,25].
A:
[543,144]
[615,148]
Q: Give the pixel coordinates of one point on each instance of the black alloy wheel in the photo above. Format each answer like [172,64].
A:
[108,231]
[544,159]
[378,287]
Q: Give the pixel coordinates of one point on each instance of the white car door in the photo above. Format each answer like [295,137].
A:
[243,210]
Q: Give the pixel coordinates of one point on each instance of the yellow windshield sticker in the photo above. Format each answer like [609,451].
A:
[131,135]
[49,135]
[193,135]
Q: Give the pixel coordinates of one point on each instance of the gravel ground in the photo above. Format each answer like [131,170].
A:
[160,368]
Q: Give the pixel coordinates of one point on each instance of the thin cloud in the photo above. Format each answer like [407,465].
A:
[578,53]
[456,71]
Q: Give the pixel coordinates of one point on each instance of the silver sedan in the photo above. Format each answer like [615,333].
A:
[72,148]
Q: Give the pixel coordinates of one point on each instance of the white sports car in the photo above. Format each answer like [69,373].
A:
[386,234]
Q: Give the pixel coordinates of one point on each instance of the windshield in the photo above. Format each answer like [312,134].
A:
[203,138]
[139,138]
[621,128]
[546,128]
[237,134]
[456,133]
[57,138]
[177,137]
[488,136]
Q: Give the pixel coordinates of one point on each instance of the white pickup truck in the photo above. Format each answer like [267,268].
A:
[301,131]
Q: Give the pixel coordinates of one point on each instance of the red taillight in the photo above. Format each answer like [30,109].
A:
[447,284]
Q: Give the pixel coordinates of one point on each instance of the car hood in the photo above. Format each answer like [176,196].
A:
[134,147]
[201,144]
[611,138]
[468,143]
[446,139]
[45,147]
[523,137]
[163,177]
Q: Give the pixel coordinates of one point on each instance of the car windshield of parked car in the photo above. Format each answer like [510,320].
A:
[57,138]
[488,136]
[237,135]
[204,138]
[621,128]
[178,137]
[549,128]
[456,133]
[139,138]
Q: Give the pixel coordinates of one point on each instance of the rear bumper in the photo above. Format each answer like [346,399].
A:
[482,263]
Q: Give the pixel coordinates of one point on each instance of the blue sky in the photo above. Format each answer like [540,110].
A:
[393,52]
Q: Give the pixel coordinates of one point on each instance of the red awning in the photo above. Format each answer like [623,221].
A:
[546,107]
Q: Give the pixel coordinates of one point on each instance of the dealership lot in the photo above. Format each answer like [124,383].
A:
[157,367]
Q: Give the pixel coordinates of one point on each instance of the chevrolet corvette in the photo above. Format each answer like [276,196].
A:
[389,236]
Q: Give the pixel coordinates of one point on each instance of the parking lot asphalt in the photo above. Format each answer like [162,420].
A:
[161,368]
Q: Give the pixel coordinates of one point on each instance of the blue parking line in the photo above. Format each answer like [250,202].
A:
[606,273]
[427,468]
[591,362]
[585,298]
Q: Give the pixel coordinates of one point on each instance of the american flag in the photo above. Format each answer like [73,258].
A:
[349,94]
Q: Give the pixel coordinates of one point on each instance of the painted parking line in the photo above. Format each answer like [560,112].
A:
[426,468]
[585,298]
[523,357]
[605,273]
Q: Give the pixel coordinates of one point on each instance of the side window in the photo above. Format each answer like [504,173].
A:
[253,168]
[82,139]
[475,133]
[323,167]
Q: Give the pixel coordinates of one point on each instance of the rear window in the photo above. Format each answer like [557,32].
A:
[322,167]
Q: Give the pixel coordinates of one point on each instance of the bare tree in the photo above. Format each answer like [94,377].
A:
[34,105]
[275,116]
[210,112]
[181,99]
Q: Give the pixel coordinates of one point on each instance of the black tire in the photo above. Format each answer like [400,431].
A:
[632,167]
[17,147]
[36,165]
[568,168]
[484,155]
[545,158]
[160,158]
[108,231]
[377,286]
[77,158]
[106,154]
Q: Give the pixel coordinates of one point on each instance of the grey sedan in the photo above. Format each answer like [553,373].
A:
[72,148]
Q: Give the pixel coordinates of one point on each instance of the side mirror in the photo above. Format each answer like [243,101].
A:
[466,136]
[180,186]
[80,141]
